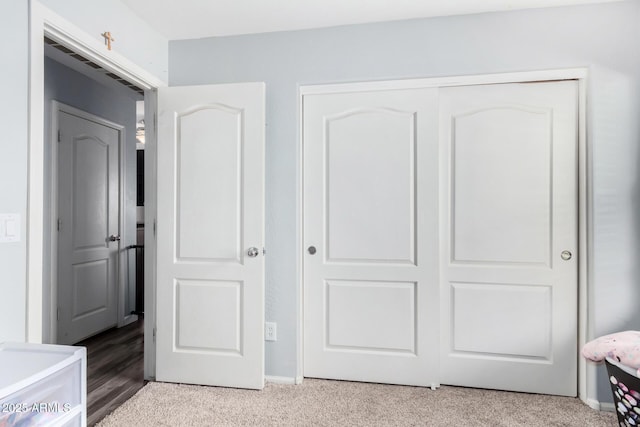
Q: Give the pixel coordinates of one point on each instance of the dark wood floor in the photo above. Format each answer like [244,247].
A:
[114,369]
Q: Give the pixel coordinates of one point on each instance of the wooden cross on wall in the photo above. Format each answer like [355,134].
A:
[108,39]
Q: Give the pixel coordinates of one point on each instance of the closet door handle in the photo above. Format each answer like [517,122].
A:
[253,252]
[114,238]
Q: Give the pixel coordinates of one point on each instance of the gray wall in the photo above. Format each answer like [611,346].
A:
[14,38]
[117,105]
[603,37]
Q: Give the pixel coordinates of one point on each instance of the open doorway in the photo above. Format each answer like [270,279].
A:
[46,23]
[94,238]
[91,122]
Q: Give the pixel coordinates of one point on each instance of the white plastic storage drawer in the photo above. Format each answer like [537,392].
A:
[42,385]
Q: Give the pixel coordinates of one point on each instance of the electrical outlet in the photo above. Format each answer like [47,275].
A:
[270,331]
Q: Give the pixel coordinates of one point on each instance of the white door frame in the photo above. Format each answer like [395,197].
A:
[586,374]
[44,22]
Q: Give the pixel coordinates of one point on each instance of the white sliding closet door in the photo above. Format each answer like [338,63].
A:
[371,236]
[509,236]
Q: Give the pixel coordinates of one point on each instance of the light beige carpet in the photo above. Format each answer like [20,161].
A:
[339,403]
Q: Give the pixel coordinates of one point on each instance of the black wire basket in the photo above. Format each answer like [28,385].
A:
[625,386]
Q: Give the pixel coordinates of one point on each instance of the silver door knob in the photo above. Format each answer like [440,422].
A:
[114,238]
[312,250]
[253,252]
[566,255]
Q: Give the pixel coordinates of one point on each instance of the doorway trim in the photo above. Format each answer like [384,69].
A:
[586,374]
[44,22]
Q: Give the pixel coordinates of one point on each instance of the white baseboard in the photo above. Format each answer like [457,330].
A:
[608,407]
[592,403]
[600,406]
[299,380]
[280,380]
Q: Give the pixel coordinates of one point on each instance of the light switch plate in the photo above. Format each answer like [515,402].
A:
[9,228]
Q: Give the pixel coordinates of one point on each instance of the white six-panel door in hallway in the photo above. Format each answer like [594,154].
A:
[509,236]
[435,226]
[210,278]
[371,236]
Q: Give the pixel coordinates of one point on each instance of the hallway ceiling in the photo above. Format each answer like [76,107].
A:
[189,19]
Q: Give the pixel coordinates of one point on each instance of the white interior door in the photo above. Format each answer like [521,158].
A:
[371,236]
[210,277]
[509,237]
[88,213]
